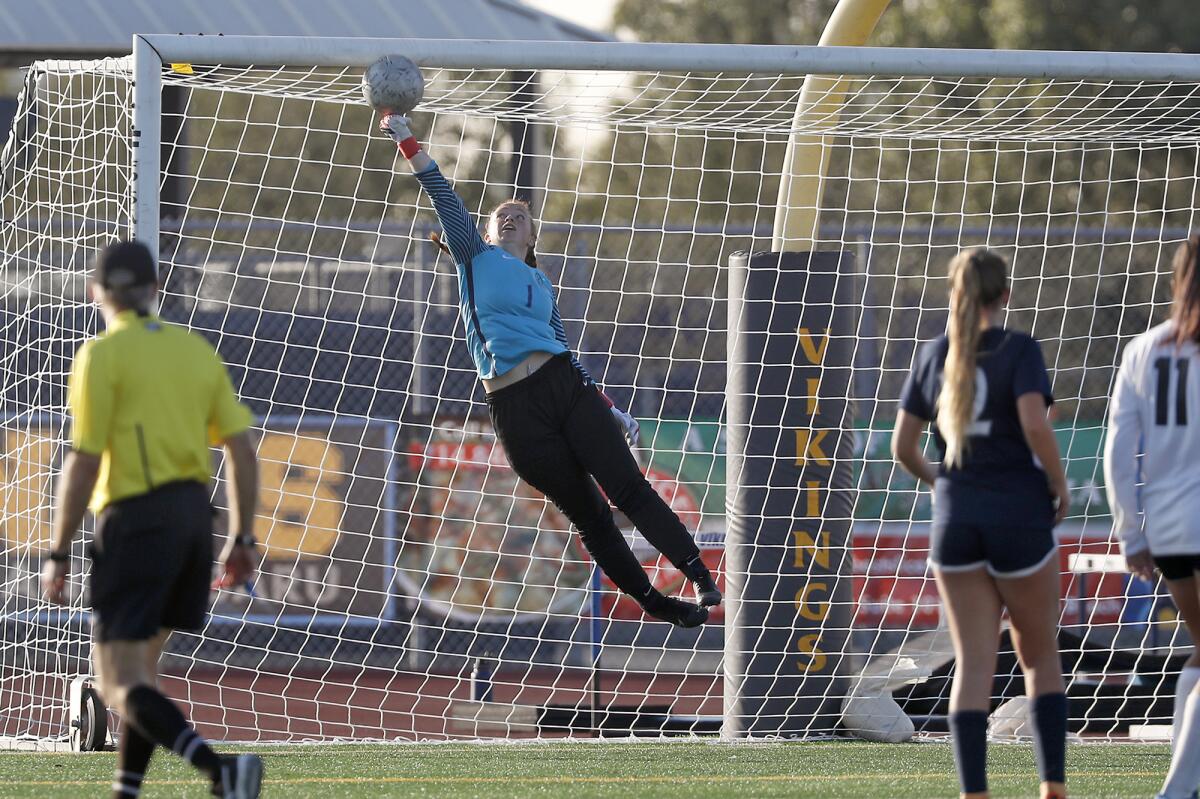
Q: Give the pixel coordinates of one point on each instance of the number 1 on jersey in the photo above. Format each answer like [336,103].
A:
[1162,400]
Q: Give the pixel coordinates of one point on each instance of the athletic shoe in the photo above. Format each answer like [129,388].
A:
[707,593]
[241,777]
[677,611]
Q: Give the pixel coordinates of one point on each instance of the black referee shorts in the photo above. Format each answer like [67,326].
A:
[152,563]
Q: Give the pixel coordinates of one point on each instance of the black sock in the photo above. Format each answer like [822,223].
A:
[1048,717]
[968,734]
[694,568]
[159,720]
[651,598]
[133,756]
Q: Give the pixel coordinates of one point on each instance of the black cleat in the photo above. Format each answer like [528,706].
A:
[241,777]
[707,593]
[677,611]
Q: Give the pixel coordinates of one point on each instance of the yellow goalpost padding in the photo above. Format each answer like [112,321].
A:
[798,208]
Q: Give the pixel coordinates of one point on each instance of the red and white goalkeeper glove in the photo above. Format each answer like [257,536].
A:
[396,126]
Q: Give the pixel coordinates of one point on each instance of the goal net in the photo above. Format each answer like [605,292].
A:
[412,587]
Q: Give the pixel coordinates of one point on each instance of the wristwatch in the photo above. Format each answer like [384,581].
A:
[246,540]
[58,557]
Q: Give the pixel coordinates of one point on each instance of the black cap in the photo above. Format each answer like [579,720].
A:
[124,264]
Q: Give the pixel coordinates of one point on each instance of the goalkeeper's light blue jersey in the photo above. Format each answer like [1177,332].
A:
[507,306]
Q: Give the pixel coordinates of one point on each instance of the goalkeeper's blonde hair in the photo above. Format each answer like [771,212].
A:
[978,278]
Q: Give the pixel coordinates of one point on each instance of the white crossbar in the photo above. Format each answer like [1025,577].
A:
[656,56]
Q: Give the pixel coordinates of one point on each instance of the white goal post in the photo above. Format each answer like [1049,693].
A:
[413,588]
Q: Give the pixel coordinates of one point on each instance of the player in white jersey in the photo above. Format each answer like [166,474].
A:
[1155,414]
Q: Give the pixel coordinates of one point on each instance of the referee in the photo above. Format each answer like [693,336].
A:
[147,400]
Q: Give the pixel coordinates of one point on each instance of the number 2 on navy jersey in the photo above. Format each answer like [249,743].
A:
[980,427]
[1162,397]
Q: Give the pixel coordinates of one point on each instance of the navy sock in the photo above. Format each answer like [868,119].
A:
[1048,717]
[159,720]
[968,734]
[133,756]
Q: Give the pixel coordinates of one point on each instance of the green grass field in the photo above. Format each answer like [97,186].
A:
[696,770]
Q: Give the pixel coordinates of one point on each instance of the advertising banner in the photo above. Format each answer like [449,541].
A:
[893,588]
[479,543]
[454,526]
[326,521]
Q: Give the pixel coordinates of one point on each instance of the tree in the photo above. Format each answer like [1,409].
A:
[1120,25]
[1121,181]
[737,22]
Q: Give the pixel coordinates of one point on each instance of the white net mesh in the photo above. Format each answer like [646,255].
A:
[401,552]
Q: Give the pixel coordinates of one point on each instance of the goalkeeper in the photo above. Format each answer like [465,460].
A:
[557,428]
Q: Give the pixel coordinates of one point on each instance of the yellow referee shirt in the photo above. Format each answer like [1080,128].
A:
[150,398]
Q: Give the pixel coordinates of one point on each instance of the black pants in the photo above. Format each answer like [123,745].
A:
[558,434]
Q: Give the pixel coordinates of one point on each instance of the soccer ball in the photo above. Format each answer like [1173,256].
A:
[393,83]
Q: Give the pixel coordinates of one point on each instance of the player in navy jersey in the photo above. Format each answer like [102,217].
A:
[558,429]
[1154,425]
[997,494]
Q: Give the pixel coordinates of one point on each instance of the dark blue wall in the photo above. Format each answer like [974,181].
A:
[283,363]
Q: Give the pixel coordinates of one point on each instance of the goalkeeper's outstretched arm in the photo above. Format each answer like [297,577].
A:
[462,234]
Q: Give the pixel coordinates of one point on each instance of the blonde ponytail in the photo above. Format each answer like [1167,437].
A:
[978,278]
